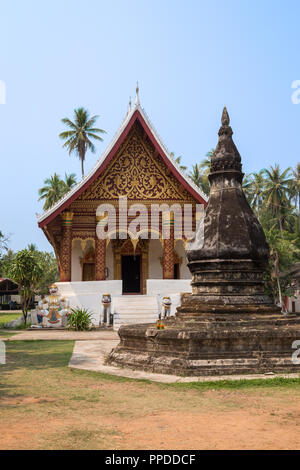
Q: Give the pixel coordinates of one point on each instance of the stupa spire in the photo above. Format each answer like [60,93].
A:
[231,232]
[226,156]
[225,117]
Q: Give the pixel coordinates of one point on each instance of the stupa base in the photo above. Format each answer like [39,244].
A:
[212,344]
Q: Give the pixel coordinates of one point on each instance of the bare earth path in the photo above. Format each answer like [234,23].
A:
[56,407]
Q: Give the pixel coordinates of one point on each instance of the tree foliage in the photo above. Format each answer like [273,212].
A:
[3,243]
[80,134]
[33,270]
[55,188]
[26,270]
[273,195]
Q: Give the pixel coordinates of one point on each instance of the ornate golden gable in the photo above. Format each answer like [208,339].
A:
[138,173]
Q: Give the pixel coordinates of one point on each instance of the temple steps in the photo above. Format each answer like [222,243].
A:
[134,309]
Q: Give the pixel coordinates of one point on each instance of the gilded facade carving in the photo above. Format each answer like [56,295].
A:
[137,172]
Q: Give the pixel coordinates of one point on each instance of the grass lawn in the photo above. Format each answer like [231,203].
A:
[6,317]
[45,405]
[6,333]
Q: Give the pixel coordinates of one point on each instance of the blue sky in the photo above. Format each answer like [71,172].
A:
[191,58]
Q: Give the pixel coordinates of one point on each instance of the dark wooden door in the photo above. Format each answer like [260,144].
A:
[131,274]
[88,272]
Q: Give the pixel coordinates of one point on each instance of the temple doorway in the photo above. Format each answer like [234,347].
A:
[88,265]
[88,272]
[131,274]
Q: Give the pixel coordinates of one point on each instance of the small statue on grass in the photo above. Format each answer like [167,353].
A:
[53,310]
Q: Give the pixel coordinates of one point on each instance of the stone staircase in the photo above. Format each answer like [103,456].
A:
[134,309]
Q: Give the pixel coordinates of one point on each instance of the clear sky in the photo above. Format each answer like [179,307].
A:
[191,58]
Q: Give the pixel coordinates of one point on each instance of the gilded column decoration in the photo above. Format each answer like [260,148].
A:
[145,265]
[100,259]
[168,246]
[100,252]
[66,247]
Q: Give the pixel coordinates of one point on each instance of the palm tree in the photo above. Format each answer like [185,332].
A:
[206,162]
[178,161]
[53,190]
[81,131]
[200,172]
[69,182]
[196,175]
[32,247]
[200,178]
[254,185]
[3,242]
[276,192]
[295,185]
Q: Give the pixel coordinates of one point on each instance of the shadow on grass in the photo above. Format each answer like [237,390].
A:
[46,355]
[201,386]
[35,355]
[30,356]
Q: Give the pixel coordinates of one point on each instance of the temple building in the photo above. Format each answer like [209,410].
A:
[136,165]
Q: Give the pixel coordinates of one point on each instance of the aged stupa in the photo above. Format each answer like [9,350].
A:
[228,324]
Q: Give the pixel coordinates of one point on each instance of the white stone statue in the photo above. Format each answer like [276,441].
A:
[53,310]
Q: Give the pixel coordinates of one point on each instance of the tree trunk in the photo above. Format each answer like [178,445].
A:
[25,311]
[280,227]
[82,151]
[299,208]
[279,292]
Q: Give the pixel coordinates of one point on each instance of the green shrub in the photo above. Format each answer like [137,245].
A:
[79,319]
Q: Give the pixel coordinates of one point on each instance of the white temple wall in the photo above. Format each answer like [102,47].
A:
[77,253]
[89,294]
[184,270]
[155,256]
[110,262]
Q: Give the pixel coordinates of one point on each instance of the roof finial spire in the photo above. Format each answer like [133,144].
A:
[137,98]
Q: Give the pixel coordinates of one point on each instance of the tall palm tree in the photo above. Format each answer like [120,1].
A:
[206,162]
[254,185]
[53,190]
[69,181]
[3,242]
[81,131]
[200,178]
[277,185]
[295,186]
[196,175]
[32,247]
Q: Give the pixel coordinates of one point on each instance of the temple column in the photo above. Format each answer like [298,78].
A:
[100,259]
[168,245]
[100,253]
[66,247]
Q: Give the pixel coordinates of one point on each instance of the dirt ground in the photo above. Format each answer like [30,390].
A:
[45,405]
